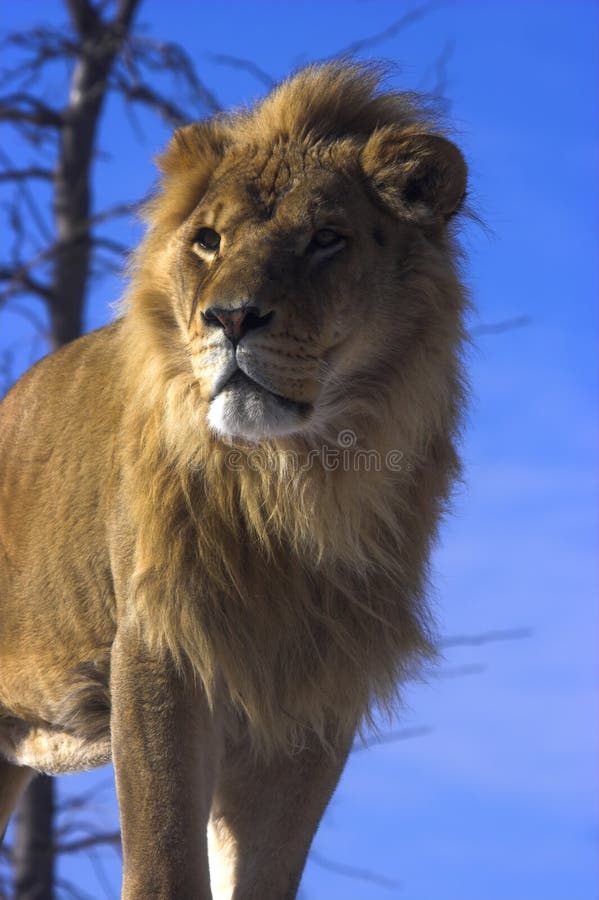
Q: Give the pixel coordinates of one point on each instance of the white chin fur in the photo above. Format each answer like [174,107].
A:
[252,414]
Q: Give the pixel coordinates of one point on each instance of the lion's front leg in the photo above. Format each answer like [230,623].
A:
[165,751]
[264,817]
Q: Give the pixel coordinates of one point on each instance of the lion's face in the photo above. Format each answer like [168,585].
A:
[291,272]
[278,305]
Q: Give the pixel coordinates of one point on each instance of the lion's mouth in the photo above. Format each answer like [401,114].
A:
[241,381]
[243,408]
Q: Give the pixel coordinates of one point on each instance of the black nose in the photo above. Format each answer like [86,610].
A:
[236,321]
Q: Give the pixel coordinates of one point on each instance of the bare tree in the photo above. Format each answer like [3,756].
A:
[52,260]
[52,256]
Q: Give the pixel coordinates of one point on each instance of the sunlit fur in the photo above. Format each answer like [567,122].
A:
[298,586]
[304,589]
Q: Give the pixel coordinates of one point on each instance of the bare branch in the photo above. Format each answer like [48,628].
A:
[486,637]
[101,875]
[390,737]
[40,46]
[116,211]
[112,246]
[352,872]
[22,107]
[23,174]
[245,65]
[107,838]
[38,288]
[460,671]
[82,799]
[500,327]
[74,825]
[105,265]
[18,277]
[441,65]
[171,59]
[414,15]
[26,284]
[143,93]
[27,196]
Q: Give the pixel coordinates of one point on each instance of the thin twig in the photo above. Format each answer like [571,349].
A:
[22,107]
[353,872]
[391,737]
[501,327]
[107,838]
[486,637]
[414,15]
[30,172]
[245,65]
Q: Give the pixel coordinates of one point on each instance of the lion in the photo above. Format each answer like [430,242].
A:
[216,513]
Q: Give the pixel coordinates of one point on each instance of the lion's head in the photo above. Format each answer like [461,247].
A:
[295,246]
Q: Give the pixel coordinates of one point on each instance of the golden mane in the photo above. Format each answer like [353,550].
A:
[309,581]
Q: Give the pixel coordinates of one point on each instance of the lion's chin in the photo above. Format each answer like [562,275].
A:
[246,410]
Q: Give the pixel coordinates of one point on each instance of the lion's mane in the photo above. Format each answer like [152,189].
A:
[299,587]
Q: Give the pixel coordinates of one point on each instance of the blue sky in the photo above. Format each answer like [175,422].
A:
[500,798]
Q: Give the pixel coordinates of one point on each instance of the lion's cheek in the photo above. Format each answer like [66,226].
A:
[213,367]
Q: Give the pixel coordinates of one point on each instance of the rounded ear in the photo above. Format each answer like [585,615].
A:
[201,144]
[415,173]
[187,165]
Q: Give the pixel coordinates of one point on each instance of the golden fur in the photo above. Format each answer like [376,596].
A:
[346,550]
[292,586]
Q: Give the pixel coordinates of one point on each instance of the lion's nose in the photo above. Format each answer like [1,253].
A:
[236,321]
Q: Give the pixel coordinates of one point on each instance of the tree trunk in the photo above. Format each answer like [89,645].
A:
[100,42]
[33,857]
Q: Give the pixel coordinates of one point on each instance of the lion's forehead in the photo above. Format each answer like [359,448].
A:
[293,184]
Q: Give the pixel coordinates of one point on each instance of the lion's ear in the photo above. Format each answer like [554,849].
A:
[186,167]
[415,173]
[199,145]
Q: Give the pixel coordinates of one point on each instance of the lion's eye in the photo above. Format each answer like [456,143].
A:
[326,237]
[208,239]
